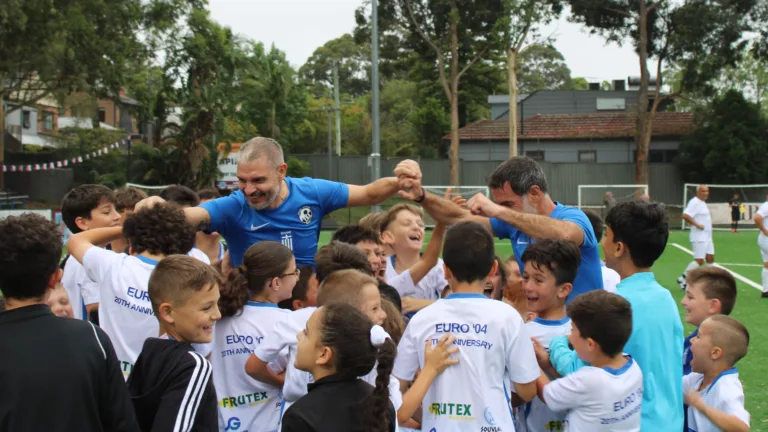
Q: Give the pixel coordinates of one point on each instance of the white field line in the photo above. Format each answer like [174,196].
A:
[736,275]
[741,265]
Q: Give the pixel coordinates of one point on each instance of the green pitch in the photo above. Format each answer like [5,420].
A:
[739,253]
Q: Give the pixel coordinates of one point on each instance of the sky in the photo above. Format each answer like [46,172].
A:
[298,27]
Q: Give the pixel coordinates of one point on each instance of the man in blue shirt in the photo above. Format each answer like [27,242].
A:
[521,211]
[271,206]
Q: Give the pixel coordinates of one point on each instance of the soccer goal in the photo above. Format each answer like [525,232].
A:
[748,197]
[149,190]
[598,197]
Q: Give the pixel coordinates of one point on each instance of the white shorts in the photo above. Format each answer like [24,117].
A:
[762,241]
[703,248]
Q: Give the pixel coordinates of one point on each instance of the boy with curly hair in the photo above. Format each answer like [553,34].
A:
[126,311]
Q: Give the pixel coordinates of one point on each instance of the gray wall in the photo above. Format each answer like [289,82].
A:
[557,151]
[565,102]
[563,178]
[47,186]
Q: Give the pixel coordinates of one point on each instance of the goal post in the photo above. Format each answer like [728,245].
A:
[593,197]
[751,198]
[149,190]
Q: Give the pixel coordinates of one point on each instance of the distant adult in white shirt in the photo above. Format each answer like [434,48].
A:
[697,215]
[610,277]
[761,220]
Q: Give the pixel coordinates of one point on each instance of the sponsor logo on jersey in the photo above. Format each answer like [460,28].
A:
[305,215]
[233,424]
[454,411]
[125,367]
[250,399]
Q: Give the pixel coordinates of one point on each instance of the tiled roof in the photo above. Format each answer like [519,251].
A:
[562,126]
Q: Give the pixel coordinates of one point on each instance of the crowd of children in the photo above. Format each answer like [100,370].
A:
[374,336]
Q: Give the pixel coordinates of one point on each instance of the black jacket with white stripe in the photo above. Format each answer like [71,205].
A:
[172,389]
[59,374]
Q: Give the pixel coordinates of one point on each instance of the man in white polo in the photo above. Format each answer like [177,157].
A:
[697,215]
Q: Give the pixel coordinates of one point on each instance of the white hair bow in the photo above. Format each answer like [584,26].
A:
[378,335]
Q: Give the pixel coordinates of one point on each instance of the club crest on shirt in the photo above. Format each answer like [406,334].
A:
[305,215]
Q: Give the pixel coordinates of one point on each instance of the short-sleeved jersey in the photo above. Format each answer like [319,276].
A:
[611,279]
[199,255]
[491,341]
[78,285]
[429,287]
[687,353]
[725,394]
[599,399]
[125,311]
[589,276]
[699,212]
[295,223]
[254,404]
[762,211]
[538,417]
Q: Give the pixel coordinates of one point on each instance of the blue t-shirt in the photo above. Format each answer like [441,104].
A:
[295,223]
[589,276]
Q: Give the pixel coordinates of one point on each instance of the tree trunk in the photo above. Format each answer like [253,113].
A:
[512,75]
[2,137]
[453,153]
[643,122]
[273,132]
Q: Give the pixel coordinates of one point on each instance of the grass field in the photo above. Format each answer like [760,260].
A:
[737,252]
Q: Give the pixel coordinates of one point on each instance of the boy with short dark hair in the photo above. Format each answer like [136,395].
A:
[548,275]
[636,236]
[83,208]
[126,199]
[610,277]
[606,396]
[69,363]
[184,197]
[368,241]
[710,291]
[304,294]
[713,392]
[126,314]
[171,384]
[489,334]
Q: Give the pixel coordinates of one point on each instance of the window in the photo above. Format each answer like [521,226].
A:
[47,120]
[587,156]
[658,156]
[606,104]
[102,115]
[535,154]
[26,119]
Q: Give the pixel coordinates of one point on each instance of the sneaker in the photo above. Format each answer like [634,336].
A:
[764,295]
[681,282]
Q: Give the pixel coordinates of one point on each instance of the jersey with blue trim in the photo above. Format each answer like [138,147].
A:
[599,399]
[295,223]
[125,311]
[538,416]
[73,280]
[725,394]
[429,287]
[589,276]
[687,353]
[491,340]
[242,400]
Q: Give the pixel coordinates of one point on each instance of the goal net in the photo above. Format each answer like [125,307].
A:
[149,190]
[600,198]
[748,197]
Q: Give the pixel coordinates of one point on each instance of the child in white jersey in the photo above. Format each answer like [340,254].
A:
[489,334]
[84,208]
[606,396]
[713,392]
[610,277]
[126,313]
[548,275]
[126,199]
[249,311]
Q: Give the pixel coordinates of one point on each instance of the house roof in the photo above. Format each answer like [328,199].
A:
[582,126]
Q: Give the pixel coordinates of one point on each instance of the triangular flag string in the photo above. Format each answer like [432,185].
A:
[65,162]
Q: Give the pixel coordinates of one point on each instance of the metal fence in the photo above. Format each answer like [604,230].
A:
[564,178]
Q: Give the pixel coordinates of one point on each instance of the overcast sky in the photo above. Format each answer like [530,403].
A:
[298,27]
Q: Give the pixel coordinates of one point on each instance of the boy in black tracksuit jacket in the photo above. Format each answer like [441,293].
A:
[171,384]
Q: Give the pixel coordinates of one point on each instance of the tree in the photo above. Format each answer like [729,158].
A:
[274,80]
[700,36]
[354,63]
[456,35]
[523,17]
[579,83]
[729,146]
[542,67]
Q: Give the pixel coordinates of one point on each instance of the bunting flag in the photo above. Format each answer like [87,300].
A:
[65,162]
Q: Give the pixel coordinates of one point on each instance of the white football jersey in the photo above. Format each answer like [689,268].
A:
[491,339]
[538,417]
[763,212]
[599,399]
[724,394]
[699,212]
[199,255]
[73,279]
[610,278]
[125,311]
[256,405]
[429,288]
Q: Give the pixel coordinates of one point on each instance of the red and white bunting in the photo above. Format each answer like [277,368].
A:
[65,162]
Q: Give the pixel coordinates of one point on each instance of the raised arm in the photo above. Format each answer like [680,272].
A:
[79,243]
[372,193]
[195,216]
